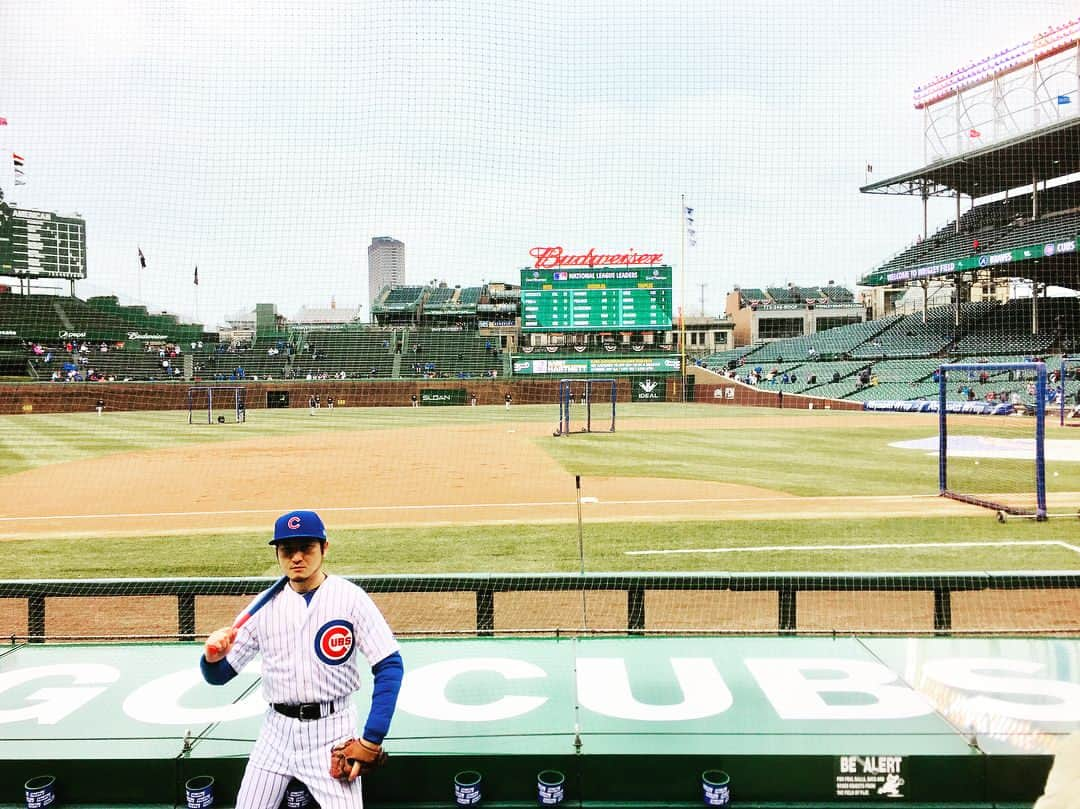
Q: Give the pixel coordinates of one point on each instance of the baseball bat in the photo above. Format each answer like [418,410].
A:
[256,605]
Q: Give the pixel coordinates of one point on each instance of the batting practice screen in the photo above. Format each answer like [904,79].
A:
[596,299]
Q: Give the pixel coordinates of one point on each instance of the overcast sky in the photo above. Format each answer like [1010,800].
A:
[269,142]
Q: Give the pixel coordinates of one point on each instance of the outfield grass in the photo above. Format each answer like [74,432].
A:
[554,548]
[823,461]
[28,441]
[829,460]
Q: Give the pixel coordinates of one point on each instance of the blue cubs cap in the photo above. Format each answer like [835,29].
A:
[298,525]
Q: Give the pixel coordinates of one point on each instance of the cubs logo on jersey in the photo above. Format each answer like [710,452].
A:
[334,642]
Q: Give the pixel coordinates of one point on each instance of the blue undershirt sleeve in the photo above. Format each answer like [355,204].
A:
[388,673]
[216,673]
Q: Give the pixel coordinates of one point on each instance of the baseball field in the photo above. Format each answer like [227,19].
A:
[678,487]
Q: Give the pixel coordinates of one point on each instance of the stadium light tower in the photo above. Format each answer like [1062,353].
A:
[1010,92]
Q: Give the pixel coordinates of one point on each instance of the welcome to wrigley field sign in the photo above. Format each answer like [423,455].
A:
[883,719]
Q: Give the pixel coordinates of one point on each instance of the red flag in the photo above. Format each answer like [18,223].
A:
[17,159]
[142,259]
[974,133]
[3,121]
[196,275]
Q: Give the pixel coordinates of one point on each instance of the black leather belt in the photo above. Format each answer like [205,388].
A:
[304,711]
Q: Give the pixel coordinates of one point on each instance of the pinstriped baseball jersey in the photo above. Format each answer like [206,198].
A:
[312,652]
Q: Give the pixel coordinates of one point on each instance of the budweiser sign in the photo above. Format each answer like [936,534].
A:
[548,257]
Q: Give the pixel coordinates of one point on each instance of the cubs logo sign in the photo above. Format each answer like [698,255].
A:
[334,642]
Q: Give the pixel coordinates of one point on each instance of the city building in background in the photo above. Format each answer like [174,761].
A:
[386,265]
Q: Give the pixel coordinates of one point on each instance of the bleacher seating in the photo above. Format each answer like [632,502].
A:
[439,296]
[357,352]
[808,293]
[998,226]
[896,357]
[838,294]
[781,295]
[748,297]
[402,297]
[450,354]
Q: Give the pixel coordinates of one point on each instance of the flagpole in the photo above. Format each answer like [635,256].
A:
[682,292]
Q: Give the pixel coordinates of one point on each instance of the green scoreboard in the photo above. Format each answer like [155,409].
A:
[41,244]
[596,299]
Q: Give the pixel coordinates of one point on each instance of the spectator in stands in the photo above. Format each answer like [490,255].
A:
[811,379]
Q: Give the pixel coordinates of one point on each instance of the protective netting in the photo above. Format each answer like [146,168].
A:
[685,200]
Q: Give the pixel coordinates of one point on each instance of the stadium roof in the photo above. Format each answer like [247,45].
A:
[1053,151]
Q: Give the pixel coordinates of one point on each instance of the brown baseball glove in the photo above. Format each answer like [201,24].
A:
[355,757]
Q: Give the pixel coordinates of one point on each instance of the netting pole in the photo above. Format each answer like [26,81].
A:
[614,392]
[1040,441]
[943,443]
[588,405]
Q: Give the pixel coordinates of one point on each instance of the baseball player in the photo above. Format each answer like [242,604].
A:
[309,634]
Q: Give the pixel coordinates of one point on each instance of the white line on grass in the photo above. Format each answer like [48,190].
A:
[447,506]
[882,546]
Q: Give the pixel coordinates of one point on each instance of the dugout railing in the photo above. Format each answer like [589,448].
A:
[484,588]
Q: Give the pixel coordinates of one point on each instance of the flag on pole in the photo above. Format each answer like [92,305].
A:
[142,259]
[17,160]
[974,133]
[691,234]
[869,168]
[1061,100]
[196,275]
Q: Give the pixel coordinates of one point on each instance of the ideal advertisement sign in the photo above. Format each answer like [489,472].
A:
[648,389]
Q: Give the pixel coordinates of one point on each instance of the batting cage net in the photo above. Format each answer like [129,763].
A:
[406,248]
[1068,381]
[587,406]
[221,405]
[1005,473]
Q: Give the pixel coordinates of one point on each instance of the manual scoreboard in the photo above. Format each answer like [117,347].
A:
[596,299]
[41,244]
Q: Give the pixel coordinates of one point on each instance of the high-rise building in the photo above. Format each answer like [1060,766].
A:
[386,265]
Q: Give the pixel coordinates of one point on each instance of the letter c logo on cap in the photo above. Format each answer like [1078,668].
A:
[293,523]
